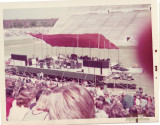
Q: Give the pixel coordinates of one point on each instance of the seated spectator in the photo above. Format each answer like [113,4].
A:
[143,102]
[107,98]
[71,102]
[105,91]
[9,101]
[40,111]
[99,91]
[149,100]
[107,108]
[99,103]
[21,105]
[100,113]
[149,111]
[153,102]
[127,101]
[135,111]
[117,111]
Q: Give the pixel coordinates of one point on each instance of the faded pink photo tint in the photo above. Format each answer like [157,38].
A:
[85,62]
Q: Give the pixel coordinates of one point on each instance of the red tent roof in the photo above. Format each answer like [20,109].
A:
[77,40]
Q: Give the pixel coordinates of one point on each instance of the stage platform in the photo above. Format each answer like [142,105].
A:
[63,73]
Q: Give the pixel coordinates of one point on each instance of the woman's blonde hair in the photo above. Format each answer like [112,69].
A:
[42,103]
[71,102]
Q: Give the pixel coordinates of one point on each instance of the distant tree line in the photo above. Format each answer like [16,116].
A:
[26,23]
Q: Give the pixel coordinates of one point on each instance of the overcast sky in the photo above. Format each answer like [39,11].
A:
[56,12]
[42,13]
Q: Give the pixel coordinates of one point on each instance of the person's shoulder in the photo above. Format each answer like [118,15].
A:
[14,103]
[10,99]
[101,114]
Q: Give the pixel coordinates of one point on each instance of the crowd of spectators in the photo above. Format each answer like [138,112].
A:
[21,32]
[40,98]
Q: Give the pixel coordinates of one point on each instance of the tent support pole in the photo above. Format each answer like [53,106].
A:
[41,50]
[90,47]
[47,49]
[56,52]
[34,48]
[77,41]
[51,51]
[109,51]
[118,55]
[65,51]
[98,46]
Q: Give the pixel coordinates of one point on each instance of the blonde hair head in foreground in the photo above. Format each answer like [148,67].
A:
[43,101]
[71,102]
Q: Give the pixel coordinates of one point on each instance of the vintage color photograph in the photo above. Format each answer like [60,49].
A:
[82,62]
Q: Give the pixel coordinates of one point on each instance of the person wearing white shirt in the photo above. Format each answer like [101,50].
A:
[20,106]
[99,92]
[138,101]
[20,111]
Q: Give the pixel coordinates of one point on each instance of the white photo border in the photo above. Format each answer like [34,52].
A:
[74,3]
